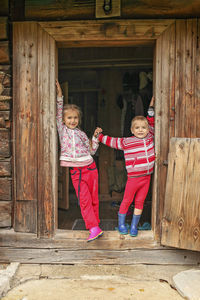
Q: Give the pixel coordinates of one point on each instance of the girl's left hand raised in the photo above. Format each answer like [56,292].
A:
[97,131]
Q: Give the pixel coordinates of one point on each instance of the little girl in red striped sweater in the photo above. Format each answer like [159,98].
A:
[139,160]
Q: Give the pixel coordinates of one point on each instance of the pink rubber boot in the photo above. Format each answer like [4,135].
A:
[95,232]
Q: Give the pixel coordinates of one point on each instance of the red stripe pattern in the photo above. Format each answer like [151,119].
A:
[138,153]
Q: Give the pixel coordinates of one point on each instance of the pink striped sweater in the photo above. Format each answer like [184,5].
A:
[138,153]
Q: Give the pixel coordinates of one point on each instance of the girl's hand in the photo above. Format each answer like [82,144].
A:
[152,101]
[58,89]
[97,131]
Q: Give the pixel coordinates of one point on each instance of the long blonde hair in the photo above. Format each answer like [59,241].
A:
[73,107]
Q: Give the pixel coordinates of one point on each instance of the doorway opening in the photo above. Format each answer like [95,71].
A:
[100,81]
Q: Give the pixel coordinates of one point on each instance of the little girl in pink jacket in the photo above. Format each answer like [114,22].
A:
[76,151]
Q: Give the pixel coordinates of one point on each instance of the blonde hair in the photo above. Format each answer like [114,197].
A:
[139,118]
[73,107]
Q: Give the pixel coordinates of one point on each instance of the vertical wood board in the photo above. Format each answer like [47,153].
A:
[181,221]
[164,95]
[186,93]
[46,134]
[25,109]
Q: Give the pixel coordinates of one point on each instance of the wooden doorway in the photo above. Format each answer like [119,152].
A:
[98,80]
[39,49]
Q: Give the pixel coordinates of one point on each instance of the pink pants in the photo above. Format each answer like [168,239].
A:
[85,182]
[138,187]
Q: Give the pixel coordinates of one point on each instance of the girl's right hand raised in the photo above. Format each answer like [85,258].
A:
[58,89]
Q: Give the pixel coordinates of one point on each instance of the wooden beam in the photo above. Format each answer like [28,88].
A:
[99,257]
[105,43]
[76,240]
[107,64]
[70,10]
[76,32]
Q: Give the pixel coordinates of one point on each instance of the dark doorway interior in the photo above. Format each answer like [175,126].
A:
[97,79]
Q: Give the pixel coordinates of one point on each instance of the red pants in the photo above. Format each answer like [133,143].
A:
[138,187]
[85,182]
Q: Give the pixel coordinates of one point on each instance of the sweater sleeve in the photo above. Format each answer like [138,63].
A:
[151,119]
[59,115]
[94,145]
[116,143]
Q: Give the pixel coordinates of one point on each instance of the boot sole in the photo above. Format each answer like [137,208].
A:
[133,234]
[124,233]
[94,238]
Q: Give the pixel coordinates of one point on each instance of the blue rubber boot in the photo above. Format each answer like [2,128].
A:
[134,223]
[121,224]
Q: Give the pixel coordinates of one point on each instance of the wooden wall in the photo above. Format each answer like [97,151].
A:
[5,126]
[76,9]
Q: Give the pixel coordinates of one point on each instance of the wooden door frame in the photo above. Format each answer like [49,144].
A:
[101,33]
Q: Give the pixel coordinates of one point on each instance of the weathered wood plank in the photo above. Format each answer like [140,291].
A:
[3,28]
[164,94]
[4,52]
[180,226]
[47,135]
[107,30]
[76,240]
[5,213]
[25,217]
[5,189]
[180,78]
[197,86]
[5,168]
[50,10]
[100,257]
[4,143]
[25,109]
[190,77]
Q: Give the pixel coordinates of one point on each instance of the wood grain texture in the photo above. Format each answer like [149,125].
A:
[180,225]
[75,32]
[49,10]
[25,109]
[164,95]
[99,257]
[187,73]
[47,135]
[4,143]
[5,213]
[5,167]
[5,189]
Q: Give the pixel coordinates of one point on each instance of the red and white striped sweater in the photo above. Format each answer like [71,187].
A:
[138,153]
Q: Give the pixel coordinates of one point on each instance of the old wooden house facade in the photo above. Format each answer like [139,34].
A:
[36,39]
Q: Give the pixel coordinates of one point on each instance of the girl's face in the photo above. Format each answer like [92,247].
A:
[71,118]
[140,129]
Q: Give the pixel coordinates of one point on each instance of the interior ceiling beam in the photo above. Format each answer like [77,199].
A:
[105,63]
